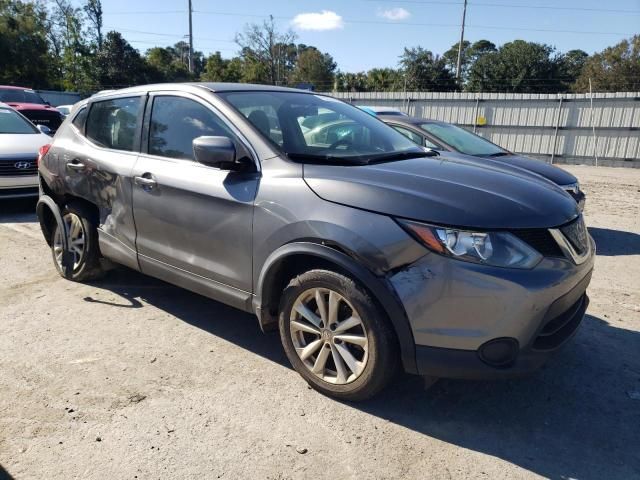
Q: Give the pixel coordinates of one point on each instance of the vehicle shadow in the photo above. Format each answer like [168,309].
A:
[4,475]
[615,242]
[18,210]
[577,418]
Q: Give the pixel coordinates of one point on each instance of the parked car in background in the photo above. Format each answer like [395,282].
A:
[445,137]
[388,111]
[31,105]
[20,143]
[64,109]
[365,250]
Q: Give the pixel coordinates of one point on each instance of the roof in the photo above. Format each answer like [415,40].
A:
[13,87]
[380,110]
[245,87]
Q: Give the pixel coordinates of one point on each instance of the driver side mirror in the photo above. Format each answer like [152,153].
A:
[219,152]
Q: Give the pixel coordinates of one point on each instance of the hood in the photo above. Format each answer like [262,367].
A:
[446,191]
[22,145]
[31,106]
[553,173]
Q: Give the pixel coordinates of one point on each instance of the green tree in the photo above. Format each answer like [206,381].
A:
[24,54]
[314,67]
[470,54]
[615,69]
[518,66]
[218,69]
[571,65]
[384,80]
[351,82]
[165,66]
[426,71]
[119,64]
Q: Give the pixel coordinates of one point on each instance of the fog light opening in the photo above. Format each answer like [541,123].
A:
[499,352]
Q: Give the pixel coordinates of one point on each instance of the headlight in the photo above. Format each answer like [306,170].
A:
[572,188]
[499,249]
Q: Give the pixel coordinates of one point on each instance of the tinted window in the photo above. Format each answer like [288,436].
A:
[11,122]
[80,119]
[114,123]
[176,121]
[462,140]
[414,137]
[319,128]
[12,95]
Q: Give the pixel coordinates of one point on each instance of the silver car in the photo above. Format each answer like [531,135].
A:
[20,142]
[367,251]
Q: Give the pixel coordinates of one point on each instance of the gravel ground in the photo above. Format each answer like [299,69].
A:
[133,378]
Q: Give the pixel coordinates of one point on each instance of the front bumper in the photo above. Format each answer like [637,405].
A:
[17,187]
[456,309]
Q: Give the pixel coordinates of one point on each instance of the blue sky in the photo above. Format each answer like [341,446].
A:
[362,34]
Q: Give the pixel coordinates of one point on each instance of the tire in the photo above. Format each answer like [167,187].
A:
[85,256]
[370,361]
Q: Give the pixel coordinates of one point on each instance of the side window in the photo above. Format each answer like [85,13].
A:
[431,145]
[414,137]
[80,118]
[176,121]
[114,123]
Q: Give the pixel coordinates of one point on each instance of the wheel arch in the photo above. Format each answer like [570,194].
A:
[297,257]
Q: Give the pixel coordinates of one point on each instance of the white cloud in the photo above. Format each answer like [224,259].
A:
[326,20]
[395,14]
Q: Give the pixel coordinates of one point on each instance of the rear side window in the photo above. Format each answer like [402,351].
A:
[114,123]
[176,121]
[80,119]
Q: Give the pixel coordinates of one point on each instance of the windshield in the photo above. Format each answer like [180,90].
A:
[11,122]
[311,128]
[462,140]
[12,95]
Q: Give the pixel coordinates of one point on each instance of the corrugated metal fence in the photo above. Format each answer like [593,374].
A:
[562,128]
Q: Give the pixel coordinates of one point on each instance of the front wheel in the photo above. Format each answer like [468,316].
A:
[336,336]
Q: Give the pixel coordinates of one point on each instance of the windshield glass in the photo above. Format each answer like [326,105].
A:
[11,122]
[462,140]
[11,95]
[317,128]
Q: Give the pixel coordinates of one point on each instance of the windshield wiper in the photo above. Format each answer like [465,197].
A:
[402,156]
[498,154]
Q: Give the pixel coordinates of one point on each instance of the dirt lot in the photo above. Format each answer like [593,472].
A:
[133,378]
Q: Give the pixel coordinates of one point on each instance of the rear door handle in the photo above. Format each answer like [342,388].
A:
[145,182]
[76,165]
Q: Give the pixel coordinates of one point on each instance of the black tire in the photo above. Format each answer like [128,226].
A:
[88,267]
[383,353]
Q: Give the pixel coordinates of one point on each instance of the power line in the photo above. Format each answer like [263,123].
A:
[509,5]
[421,24]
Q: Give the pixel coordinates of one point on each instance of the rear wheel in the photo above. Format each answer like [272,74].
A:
[81,261]
[336,337]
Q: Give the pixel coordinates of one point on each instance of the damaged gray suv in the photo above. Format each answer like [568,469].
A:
[367,252]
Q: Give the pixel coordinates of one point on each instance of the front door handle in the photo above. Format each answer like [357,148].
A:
[76,165]
[145,182]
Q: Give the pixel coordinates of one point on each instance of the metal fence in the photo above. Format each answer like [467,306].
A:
[562,128]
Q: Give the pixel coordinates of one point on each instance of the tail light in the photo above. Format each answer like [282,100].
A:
[42,152]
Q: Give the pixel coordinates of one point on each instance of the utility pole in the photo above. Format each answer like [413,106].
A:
[190,39]
[464,17]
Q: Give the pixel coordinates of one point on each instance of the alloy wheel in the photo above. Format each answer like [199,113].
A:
[329,336]
[75,239]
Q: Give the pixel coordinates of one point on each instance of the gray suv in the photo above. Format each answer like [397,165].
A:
[366,251]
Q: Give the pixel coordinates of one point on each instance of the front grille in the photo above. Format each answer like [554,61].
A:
[576,233]
[44,117]
[541,240]
[18,167]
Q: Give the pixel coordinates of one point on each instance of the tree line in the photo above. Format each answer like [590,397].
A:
[56,45]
